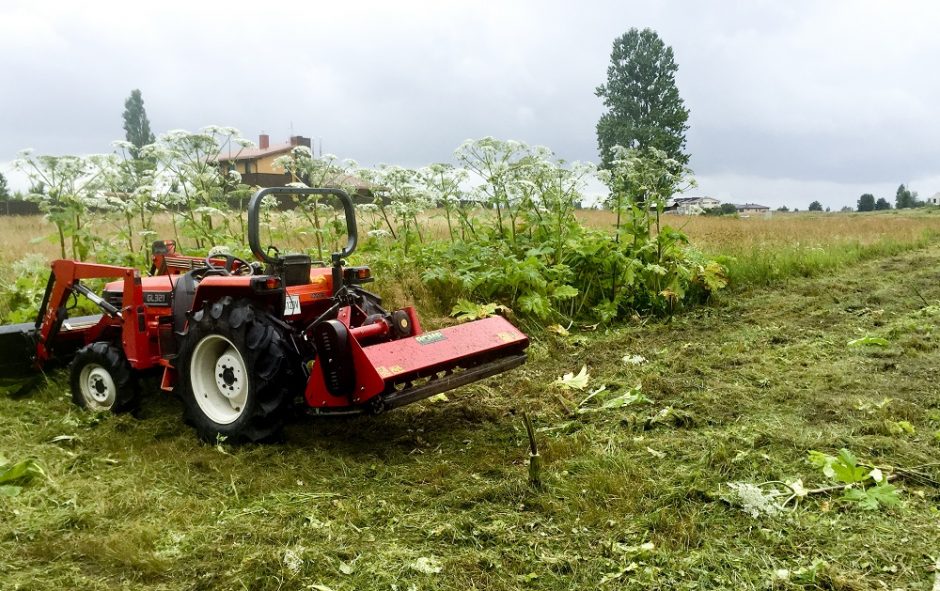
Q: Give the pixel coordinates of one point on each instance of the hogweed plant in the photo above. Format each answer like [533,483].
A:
[512,235]
[194,186]
[68,187]
[307,170]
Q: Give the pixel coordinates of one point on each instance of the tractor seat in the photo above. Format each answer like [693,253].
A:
[184,293]
[294,269]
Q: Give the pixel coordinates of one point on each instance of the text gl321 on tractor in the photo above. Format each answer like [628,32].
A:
[240,342]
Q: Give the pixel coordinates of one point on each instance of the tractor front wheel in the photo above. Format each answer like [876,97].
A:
[102,380]
[235,372]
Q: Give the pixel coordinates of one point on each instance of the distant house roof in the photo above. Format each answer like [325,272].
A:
[750,206]
[255,152]
[678,201]
[264,148]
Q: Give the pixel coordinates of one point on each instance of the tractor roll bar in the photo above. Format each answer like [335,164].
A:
[254,208]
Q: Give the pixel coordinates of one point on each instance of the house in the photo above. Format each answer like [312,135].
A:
[256,165]
[749,208]
[257,169]
[690,205]
[935,200]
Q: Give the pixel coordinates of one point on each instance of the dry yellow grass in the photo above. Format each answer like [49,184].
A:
[730,235]
[762,248]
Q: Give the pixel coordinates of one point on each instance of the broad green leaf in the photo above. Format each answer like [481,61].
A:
[822,461]
[22,470]
[564,292]
[900,428]
[846,469]
[535,304]
[870,499]
[886,494]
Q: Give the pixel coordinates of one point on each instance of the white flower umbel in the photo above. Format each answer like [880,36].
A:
[753,500]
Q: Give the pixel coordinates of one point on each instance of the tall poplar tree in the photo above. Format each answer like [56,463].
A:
[136,125]
[644,108]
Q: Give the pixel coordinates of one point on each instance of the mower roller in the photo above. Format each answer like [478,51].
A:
[242,343]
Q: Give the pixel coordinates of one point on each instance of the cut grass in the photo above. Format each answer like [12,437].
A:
[371,503]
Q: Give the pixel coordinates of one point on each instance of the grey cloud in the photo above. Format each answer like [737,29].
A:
[812,92]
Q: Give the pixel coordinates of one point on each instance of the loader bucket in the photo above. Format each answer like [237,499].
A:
[17,348]
[18,345]
[402,371]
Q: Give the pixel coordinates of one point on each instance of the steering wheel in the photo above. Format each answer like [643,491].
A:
[244,267]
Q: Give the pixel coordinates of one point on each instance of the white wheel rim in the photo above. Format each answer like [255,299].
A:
[219,379]
[97,387]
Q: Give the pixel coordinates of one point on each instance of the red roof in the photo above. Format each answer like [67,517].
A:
[255,153]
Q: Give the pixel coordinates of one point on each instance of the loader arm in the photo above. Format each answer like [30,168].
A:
[64,282]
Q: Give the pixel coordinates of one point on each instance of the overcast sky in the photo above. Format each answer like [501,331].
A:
[790,101]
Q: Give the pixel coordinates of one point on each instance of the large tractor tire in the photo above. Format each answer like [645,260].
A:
[102,380]
[235,373]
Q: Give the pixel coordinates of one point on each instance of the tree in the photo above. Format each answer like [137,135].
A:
[882,204]
[815,206]
[866,202]
[4,193]
[644,109]
[136,125]
[783,208]
[723,209]
[905,198]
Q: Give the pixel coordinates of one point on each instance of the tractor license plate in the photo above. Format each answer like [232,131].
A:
[292,305]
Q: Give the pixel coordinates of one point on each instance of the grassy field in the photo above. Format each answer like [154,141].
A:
[762,250]
[435,496]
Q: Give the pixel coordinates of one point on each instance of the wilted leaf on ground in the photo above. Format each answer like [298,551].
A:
[467,310]
[869,341]
[631,396]
[428,566]
[13,476]
[558,329]
[574,382]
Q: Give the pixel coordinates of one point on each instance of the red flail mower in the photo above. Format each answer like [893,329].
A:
[242,343]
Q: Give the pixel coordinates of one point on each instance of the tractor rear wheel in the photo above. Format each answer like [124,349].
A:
[236,374]
[101,379]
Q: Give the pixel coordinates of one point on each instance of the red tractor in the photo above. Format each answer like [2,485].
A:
[241,342]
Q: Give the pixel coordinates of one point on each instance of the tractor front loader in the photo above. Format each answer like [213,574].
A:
[242,343]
